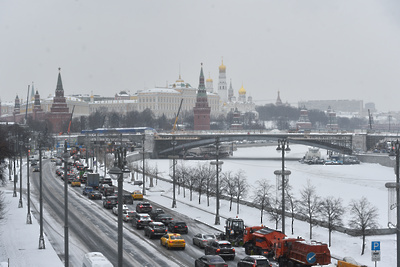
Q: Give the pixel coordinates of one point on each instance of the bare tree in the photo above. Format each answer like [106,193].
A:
[190,180]
[241,187]
[310,204]
[364,216]
[202,174]
[262,196]
[291,206]
[275,211]
[333,210]
[229,186]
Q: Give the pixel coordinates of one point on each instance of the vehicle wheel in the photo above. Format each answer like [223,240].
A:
[167,246]
[183,248]
[161,243]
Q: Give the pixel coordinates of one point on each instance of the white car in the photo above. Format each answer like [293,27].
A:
[124,209]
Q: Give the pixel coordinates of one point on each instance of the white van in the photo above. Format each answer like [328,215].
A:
[96,259]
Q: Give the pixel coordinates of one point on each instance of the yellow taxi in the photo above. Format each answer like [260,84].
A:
[137,195]
[170,240]
[76,182]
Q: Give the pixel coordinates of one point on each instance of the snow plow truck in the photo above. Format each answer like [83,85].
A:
[288,252]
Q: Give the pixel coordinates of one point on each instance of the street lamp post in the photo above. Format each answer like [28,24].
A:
[66,226]
[41,237]
[20,205]
[118,170]
[283,146]
[217,163]
[15,170]
[28,216]
[144,180]
[395,152]
[174,157]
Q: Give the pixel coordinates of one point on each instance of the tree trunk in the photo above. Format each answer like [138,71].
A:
[191,193]
[330,234]
[237,206]
[310,228]
[292,223]
[230,204]
[262,209]
[363,244]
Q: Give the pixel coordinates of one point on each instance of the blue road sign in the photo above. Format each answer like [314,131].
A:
[311,257]
[376,245]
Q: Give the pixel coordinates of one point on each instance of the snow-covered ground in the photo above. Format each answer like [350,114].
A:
[19,241]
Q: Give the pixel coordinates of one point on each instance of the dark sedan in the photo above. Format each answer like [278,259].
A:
[254,260]
[95,195]
[223,248]
[178,227]
[164,218]
[210,260]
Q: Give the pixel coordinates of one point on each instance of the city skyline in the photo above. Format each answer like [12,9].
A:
[307,51]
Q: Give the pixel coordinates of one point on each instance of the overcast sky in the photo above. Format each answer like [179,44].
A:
[306,49]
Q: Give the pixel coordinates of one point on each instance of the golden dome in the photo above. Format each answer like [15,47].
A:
[209,78]
[222,67]
[242,91]
[179,80]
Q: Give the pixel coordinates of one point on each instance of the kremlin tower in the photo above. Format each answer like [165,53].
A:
[201,110]
[222,87]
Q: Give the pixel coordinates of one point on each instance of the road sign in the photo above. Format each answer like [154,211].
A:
[376,245]
[311,257]
[375,255]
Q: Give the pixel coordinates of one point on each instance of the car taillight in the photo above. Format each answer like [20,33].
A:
[152,231]
[176,226]
[170,241]
[138,221]
[218,250]
[185,226]
[233,250]
[166,230]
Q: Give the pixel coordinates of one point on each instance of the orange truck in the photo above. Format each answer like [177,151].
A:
[286,251]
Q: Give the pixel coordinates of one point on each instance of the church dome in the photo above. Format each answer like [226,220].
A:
[242,91]
[222,67]
[179,80]
[209,80]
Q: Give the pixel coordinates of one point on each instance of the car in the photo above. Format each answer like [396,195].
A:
[170,240]
[86,190]
[153,214]
[143,207]
[107,190]
[155,229]
[128,216]
[34,163]
[76,182]
[141,220]
[210,260]
[95,195]
[110,201]
[137,195]
[127,199]
[36,169]
[201,240]
[220,247]
[177,227]
[164,218]
[254,260]
[124,209]
[107,180]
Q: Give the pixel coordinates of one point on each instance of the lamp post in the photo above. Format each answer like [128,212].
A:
[174,157]
[144,180]
[15,170]
[28,216]
[118,170]
[395,153]
[283,146]
[20,205]
[217,163]
[41,238]
[66,236]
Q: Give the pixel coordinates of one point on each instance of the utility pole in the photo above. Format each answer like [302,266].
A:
[28,216]
[41,238]
[20,205]
[144,179]
[66,245]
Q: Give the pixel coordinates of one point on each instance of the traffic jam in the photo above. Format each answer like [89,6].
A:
[262,245]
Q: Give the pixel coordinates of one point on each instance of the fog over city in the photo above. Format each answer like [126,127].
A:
[307,50]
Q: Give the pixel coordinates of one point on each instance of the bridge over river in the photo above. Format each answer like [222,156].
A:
[160,145]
